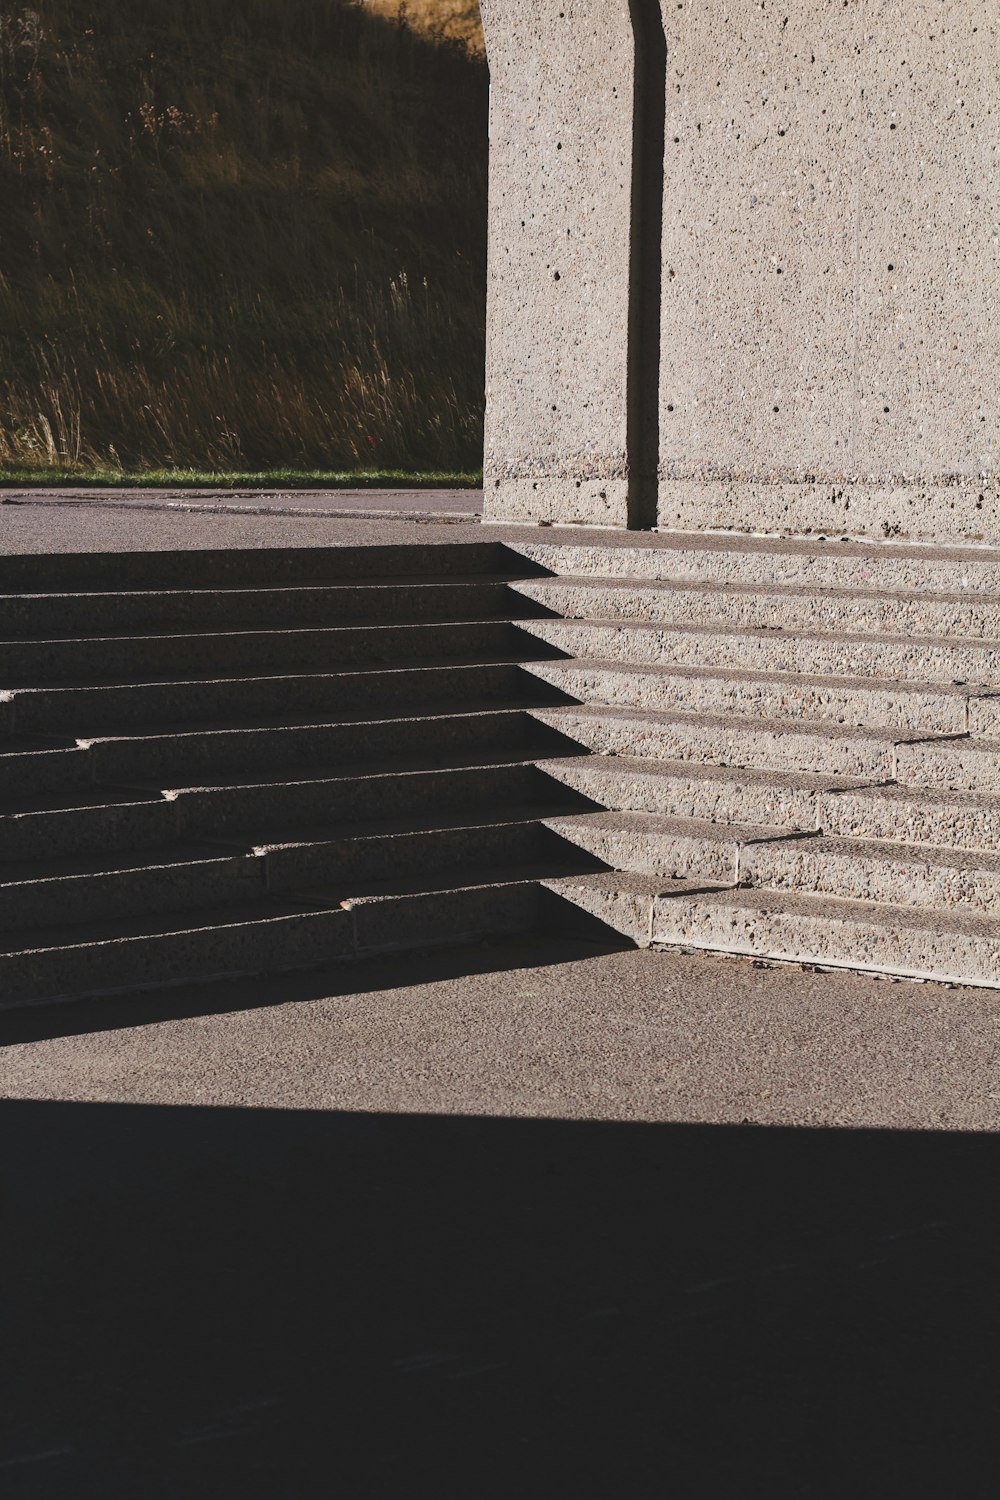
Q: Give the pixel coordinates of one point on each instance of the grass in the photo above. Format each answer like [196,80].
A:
[286,479]
[243,238]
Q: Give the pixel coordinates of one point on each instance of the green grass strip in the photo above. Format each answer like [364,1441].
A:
[285,479]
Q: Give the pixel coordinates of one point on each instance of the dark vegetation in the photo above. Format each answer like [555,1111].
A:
[240,235]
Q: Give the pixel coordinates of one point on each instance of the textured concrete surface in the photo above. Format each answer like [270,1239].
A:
[831,268]
[248,1271]
[560,235]
[535,1030]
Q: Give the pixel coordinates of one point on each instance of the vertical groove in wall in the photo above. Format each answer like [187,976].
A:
[648,141]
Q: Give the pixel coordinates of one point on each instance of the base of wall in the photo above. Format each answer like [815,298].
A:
[961,512]
[547,502]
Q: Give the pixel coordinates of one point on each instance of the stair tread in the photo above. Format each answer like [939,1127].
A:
[636,765]
[763,898]
[446,715]
[902,792]
[740,721]
[360,892]
[469,821]
[742,833]
[899,852]
[726,541]
[764,632]
[319,585]
[740,674]
[782,590]
[250,680]
[306,902]
[628,881]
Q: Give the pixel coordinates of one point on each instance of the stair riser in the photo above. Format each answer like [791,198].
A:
[131,893]
[622,911]
[111,829]
[265,609]
[452,854]
[439,918]
[905,883]
[848,942]
[204,758]
[249,567]
[866,708]
[275,813]
[954,767]
[153,658]
[256,700]
[893,661]
[984,717]
[735,745]
[720,800]
[911,820]
[646,853]
[764,568]
[43,773]
[853,615]
[283,943]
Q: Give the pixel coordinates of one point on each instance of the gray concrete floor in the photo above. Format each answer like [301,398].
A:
[535,1030]
[525,1219]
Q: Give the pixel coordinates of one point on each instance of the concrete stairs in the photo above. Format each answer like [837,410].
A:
[224,763]
[221,763]
[796,744]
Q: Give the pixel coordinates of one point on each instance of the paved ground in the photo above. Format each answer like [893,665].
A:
[522,1220]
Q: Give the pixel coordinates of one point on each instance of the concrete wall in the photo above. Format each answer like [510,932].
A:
[557,371]
[829,348]
[831,345]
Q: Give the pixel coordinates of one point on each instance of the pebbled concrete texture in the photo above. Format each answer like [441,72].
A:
[829,276]
[833,931]
[831,269]
[536,1030]
[557,364]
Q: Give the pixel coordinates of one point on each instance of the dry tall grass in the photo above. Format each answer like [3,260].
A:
[238,234]
[448,20]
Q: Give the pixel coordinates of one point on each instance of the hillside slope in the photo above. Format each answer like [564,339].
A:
[245,234]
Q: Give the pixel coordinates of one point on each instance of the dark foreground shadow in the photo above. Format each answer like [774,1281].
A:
[206,1302]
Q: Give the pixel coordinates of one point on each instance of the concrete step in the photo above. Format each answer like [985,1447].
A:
[826,612]
[278,810]
[886,873]
[108,887]
[252,567]
[101,889]
[38,767]
[268,936]
[396,601]
[622,902]
[764,744]
[257,701]
[705,793]
[212,942]
[911,815]
[894,658]
[966,765]
[645,844]
[984,716]
[861,703]
[212,756]
[763,562]
[443,850]
[957,949]
[157,658]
